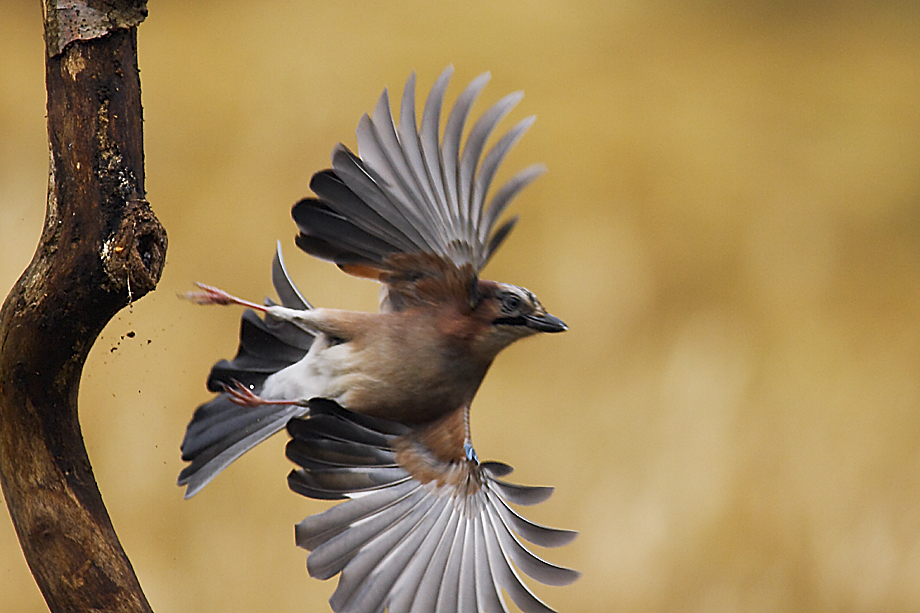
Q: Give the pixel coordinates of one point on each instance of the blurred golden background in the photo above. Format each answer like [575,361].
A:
[730,226]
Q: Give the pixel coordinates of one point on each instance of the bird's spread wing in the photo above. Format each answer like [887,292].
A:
[416,532]
[410,192]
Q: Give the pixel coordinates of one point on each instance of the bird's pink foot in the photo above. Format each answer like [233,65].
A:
[243,396]
[214,295]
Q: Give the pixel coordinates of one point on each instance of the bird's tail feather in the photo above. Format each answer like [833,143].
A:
[221,430]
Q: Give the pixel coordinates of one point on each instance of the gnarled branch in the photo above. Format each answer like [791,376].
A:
[101,248]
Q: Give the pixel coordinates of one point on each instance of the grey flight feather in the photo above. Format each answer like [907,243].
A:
[408,545]
[409,190]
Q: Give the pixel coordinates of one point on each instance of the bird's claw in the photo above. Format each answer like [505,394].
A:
[213,295]
[210,295]
[243,396]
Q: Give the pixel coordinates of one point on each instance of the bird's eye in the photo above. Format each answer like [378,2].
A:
[510,303]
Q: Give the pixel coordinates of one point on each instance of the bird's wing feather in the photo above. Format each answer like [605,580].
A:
[409,191]
[416,531]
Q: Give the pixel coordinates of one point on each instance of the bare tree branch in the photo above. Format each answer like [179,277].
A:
[101,248]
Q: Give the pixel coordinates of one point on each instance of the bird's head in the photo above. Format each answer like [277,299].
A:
[510,313]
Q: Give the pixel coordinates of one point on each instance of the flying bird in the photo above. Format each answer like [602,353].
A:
[377,404]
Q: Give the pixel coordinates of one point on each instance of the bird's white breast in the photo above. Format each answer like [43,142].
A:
[326,371]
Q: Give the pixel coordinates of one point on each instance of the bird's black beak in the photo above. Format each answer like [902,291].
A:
[545,322]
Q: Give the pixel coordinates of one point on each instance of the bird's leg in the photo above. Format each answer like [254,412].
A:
[243,396]
[213,295]
[332,322]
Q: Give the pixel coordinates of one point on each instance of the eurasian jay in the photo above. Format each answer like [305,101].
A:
[377,404]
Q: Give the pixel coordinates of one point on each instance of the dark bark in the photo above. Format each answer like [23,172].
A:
[101,248]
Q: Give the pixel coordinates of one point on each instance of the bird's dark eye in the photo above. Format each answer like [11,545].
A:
[510,303]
